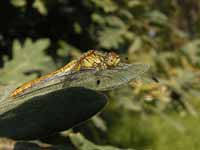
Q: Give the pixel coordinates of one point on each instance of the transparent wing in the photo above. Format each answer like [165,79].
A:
[91,79]
[106,79]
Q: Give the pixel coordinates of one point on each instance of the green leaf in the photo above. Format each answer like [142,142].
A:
[192,50]
[115,21]
[77,28]
[158,17]
[110,20]
[40,6]
[27,56]
[97,18]
[106,5]
[65,49]
[99,123]
[135,3]
[111,37]
[136,45]
[18,3]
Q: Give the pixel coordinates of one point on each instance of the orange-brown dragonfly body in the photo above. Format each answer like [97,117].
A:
[89,60]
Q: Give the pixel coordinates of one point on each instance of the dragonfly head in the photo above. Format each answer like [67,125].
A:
[112,59]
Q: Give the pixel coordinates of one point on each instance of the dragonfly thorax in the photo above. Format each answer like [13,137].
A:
[97,60]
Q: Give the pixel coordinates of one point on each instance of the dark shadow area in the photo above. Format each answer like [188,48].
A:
[34,146]
[44,115]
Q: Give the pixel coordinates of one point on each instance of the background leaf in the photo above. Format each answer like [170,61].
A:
[28,56]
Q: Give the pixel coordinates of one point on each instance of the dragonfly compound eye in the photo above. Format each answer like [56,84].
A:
[113,59]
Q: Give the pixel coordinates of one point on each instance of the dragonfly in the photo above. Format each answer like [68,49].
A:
[93,70]
[90,60]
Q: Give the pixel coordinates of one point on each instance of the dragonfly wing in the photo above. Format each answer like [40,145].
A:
[106,79]
[92,79]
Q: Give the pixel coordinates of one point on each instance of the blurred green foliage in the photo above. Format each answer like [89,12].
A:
[22,60]
[165,34]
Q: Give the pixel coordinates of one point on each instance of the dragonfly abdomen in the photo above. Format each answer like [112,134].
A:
[66,70]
